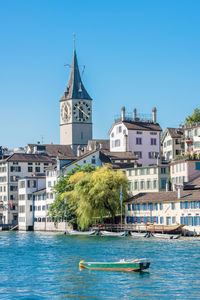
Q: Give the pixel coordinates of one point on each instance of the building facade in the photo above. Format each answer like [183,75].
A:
[75,111]
[15,167]
[172,143]
[165,208]
[148,179]
[141,137]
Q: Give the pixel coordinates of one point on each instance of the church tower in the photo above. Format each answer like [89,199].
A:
[75,111]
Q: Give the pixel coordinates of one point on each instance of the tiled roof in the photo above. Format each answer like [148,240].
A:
[99,144]
[119,155]
[175,132]
[164,196]
[55,150]
[75,88]
[24,157]
[137,125]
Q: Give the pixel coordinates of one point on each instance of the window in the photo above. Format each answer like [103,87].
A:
[112,134]
[150,206]
[129,207]
[138,141]
[155,184]
[197,165]
[163,170]
[117,143]
[15,169]
[173,220]
[148,171]
[161,220]
[139,132]
[31,183]
[144,206]
[153,141]
[133,207]
[31,208]
[37,169]
[148,184]
[172,205]
[161,206]
[13,188]
[93,161]
[129,172]
[138,206]
[30,169]
[138,153]
[156,206]
[163,184]
[153,155]
[29,196]
[142,185]
[21,208]
[22,184]
[30,164]
[135,185]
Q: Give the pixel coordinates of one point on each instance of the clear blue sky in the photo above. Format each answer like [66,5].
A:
[137,54]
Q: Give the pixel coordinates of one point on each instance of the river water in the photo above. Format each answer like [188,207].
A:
[45,266]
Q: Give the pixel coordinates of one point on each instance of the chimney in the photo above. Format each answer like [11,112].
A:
[134,114]
[123,113]
[79,150]
[180,192]
[154,114]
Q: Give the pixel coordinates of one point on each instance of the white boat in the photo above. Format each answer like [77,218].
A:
[81,232]
[138,234]
[166,236]
[110,233]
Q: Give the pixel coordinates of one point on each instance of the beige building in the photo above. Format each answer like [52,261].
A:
[148,179]
[165,208]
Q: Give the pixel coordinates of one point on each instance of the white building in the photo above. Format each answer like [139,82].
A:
[141,137]
[26,206]
[165,208]
[172,143]
[13,168]
[192,138]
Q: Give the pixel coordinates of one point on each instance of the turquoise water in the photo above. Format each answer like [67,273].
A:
[45,266]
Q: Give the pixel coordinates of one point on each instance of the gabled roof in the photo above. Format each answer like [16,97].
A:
[24,157]
[174,132]
[75,88]
[139,125]
[164,196]
[55,150]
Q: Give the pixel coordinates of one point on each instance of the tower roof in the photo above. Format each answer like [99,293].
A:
[75,88]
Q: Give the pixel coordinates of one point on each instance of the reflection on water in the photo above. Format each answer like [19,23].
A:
[46,266]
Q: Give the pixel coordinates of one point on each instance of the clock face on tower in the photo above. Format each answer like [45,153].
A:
[65,112]
[81,111]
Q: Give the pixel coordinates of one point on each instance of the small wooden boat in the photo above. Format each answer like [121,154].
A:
[110,233]
[138,234]
[81,232]
[122,265]
[164,228]
[166,236]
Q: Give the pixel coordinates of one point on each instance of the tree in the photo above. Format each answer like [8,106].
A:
[96,194]
[60,209]
[194,118]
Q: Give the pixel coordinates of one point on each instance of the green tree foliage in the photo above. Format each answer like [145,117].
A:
[194,118]
[96,195]
[60,208]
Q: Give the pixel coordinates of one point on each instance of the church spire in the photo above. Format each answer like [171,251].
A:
[75,88]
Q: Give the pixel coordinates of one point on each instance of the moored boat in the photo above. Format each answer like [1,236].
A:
[122,265]
[110,233]
[166,236]
[81,232]
[138,234]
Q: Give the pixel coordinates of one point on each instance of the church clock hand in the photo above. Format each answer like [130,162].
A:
[82,111]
